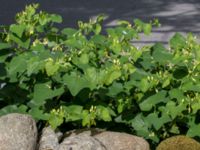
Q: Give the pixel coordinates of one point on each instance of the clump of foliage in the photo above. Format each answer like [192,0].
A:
[84,77]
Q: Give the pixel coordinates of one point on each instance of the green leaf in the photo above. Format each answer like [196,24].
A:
[51,67]
[180,72]
[116,47]
[3,72]
[161,54]
[18,29]
[156,121]
[103,113]
[138,24]
[98,39]
[38,114]
[111,32]
[139,74]
[74,43]
[84,58]
[4,54]
[17,64]
[5,51]
[173,110]
[73,112]
[92,77]
[55,120]
[43,20]
[23,42]
[151,101]
[144,85]
[175,129]
[75,83]
[69,31]
[38,48]
[34,65]
[147,29]
[16,67]
[115,89]
[166,83]
[195,107]
[194,129]
[189,86]
[111,76]
[141,126]
[56,18]
[86,118]
[177,41]
[97,29]
[120,107]
[176,93]
[5,46]
[13,109]
[43,91]
[147,60]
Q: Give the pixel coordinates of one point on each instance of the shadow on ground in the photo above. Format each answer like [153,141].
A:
[174,15]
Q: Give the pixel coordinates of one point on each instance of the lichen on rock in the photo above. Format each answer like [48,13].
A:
[179,143]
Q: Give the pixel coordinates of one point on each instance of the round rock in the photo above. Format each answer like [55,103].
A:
[49,139]
[81,142]
[121,141]
[17,132]
[179,142]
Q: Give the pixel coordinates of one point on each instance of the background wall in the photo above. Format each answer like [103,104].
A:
[174,15]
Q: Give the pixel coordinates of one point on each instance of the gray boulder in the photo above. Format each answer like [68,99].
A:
[49,140]
[111,140]
[81,142]
[17,132]
[121,141]
[86,131]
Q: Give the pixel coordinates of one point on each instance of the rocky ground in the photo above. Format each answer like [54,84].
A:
[19,132]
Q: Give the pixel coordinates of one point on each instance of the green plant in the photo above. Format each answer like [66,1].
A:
[58,75]
[84,77]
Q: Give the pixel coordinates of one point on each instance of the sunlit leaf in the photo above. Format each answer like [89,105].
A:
[56,18]
[18,29]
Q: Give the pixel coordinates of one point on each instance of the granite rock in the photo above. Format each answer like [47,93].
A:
[112,140]
[49,140]
[17,132]
[121,141]
[81,142]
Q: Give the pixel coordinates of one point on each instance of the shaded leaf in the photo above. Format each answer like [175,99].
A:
[160,53]
[73,112]
[5,46]
[156,121]
[151,101]
[23,42]
[38,114]
[115,89]
[43,91]
[75,83]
